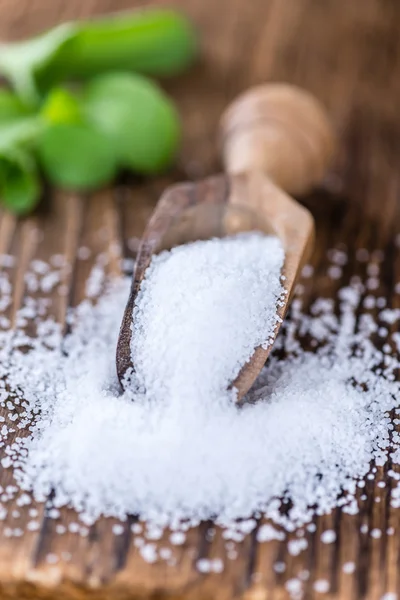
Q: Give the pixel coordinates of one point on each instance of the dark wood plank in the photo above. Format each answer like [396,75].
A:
[348,54]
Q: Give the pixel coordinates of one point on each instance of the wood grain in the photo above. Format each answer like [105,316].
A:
[348,55]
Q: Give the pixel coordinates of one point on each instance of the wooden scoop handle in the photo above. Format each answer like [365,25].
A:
[281,130]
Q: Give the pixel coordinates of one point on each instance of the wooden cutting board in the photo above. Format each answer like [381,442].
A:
[348,54]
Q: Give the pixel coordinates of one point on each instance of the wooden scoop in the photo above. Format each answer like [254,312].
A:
[276,140]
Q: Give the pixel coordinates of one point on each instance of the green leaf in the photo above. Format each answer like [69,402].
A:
[138,118]
[20,133]
[76,157]
[20,188]
[151,41]
[61,106]
[11,107]
[155,42]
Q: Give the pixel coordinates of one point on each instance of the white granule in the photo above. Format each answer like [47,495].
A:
[328,536]
[322,586]
[180,450]
[376,533]
[149,553]
[279,567]
[267,533]
[295,547]
[294,588]
[205,307]
[177,538]
[117,529]
[349,567]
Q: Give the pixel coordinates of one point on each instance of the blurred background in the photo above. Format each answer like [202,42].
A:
[347,53]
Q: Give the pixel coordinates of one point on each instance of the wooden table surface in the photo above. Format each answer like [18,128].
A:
[348,54]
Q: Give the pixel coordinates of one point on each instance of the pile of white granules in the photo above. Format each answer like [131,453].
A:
[175,449]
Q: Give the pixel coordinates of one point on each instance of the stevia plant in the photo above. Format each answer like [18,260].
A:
[104,117]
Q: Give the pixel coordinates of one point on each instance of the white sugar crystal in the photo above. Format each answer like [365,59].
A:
[165,553]
[295,547]
[294,588]
[222,306]
[307,271]
[118,529]
[177,538]
[321,586]
[174,448]
[328,536]
[390,531]
[279,567]
[349,567]
[83,253]
[149,553]
[61,529]
[136,528]
[376,533]
[334,272]
[267,532]
[203,565]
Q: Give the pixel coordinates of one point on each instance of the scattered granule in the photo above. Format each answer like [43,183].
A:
[328,536]
[148,552]
[167,452]
[267,533]
[279,567]
[83,253]
[348,567]
[165,553]
[58,261]
[334,272]
[118,529]
[295,547]
[61,529]
[321,586]
[49,281]
[177,538]
[136,528]
[206,565]
[7,261]
[154,533]
[294,587]
[376,533]
[307,271]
